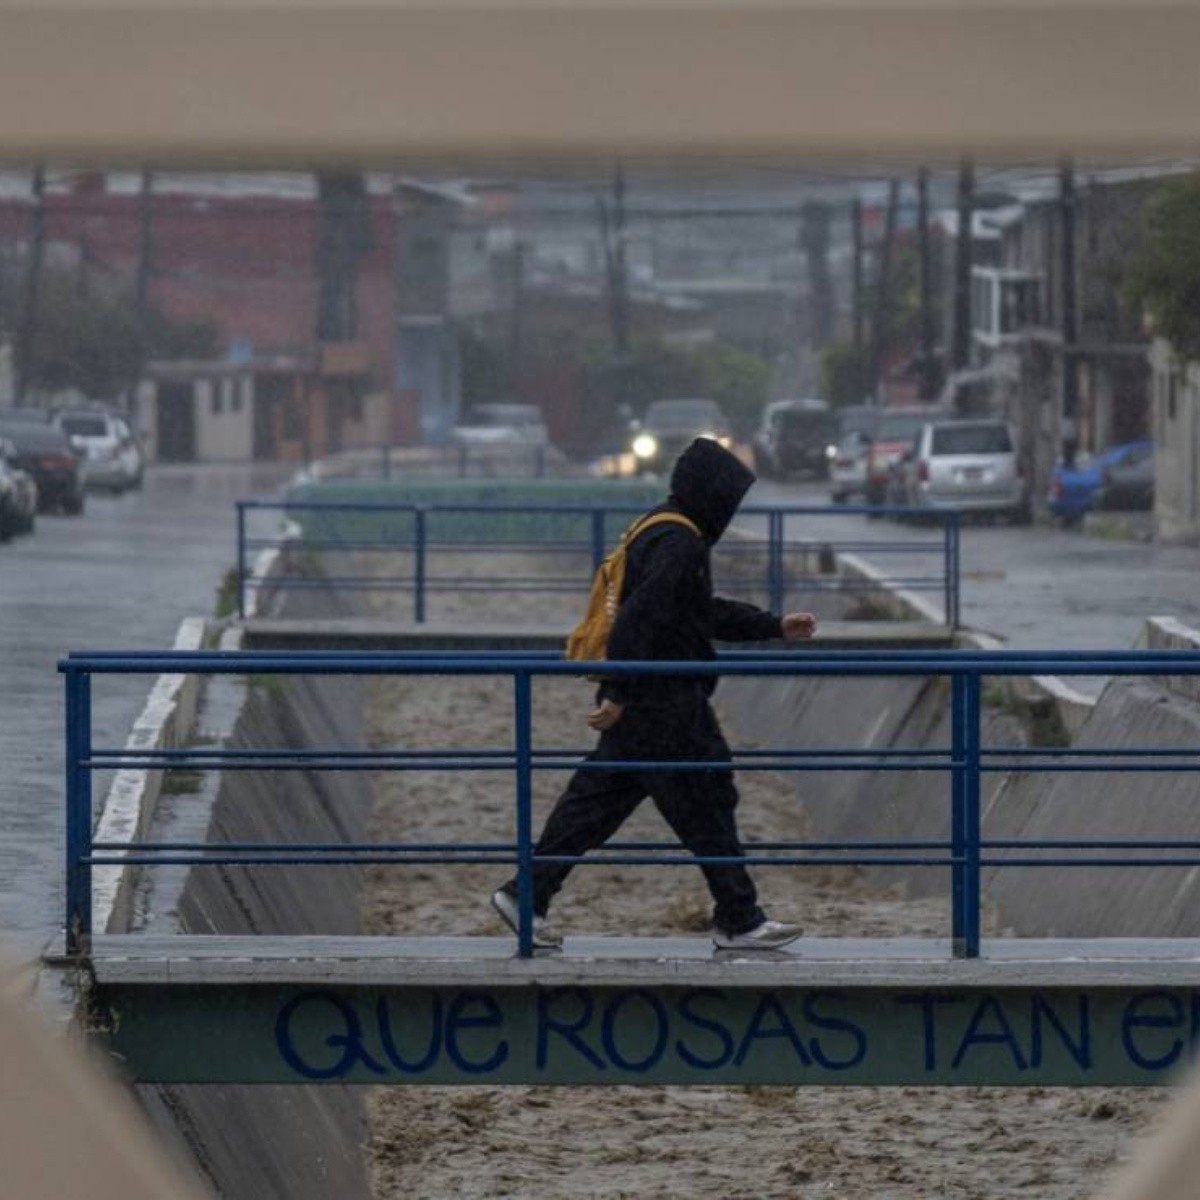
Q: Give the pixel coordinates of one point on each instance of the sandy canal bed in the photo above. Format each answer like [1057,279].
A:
[480,1142]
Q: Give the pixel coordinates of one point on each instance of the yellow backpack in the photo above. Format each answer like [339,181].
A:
[588,641]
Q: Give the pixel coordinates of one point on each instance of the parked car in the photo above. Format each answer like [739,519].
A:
[848,462]
[965,465]
[21,493]
[109,452]
[669,426]
[1075,490]
[894,433]
[1128,483]
[42,450]
[502,424]
[795,435]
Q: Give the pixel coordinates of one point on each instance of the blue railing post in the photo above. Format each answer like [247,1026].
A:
[965,751]
[775,561]
[523,743]
[597,538]
[958,759]
[951,569]
[241,561]
[419,549]
[386,463]
[79,811]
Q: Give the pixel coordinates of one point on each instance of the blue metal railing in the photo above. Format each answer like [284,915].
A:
[966,760]
[419,531]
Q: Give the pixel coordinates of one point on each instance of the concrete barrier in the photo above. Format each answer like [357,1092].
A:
[132,799]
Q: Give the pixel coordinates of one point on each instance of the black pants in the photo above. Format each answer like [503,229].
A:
[698,805]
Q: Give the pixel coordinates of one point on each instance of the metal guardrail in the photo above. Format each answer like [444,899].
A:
[420,531]
[462,460]
[966,760]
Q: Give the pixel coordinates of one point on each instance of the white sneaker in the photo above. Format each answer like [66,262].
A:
[545,937]
[769,935]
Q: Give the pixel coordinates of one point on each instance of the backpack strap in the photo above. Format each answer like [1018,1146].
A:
[662,518]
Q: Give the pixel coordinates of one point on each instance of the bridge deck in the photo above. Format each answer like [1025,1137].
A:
[644,961]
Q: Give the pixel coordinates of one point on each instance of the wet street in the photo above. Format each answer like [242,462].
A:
[122,576]
[1038,588]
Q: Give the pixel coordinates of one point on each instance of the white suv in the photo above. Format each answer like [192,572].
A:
[968,465]
[110,454]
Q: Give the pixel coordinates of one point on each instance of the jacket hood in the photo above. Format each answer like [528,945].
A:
[708,483]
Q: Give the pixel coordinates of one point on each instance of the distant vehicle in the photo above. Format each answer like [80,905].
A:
[848,463]
[965,465]
[795,435]
[109,452]
[1075,490]
[21,493]
[502,424]
[43,451]
[1128,484]
[893,436]
[669,426]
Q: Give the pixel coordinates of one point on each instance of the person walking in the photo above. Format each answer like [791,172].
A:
[668,612]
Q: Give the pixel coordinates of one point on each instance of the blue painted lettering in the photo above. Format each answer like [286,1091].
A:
[832,1024]
[457,1020]
[928,1002]
[349,1041]
[383,1017]
[1078,1042]
[548,1022]
[769,1006]
[1152,1010]
[687,1010]
[989,1006]
[608,1024]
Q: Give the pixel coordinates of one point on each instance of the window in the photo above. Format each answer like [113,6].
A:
[971,439]
[218,397]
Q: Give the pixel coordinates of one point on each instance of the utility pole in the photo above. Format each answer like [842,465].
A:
[145,247]
[145,268]
[517,318]
[960,357]
[814,239]
[1070,316]
[929,368]
[883,290]
[33,283]
[856,279]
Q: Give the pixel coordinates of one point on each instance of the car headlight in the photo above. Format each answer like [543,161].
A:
[831,452]
[645,445]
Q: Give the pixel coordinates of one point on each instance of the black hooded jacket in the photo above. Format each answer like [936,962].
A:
[668,610]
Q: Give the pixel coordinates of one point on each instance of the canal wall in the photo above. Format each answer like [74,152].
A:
[912,713]
[286,1142]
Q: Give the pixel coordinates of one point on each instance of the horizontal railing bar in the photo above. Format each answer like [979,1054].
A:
[800,662]
[613,860]
[450,763]
[498,847]
[490,752]
[746,510]
[624,847]
[184,860]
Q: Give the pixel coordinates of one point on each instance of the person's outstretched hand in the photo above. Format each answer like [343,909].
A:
[798,627]
[606,716]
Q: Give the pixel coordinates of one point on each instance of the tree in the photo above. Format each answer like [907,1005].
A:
[98,342]
[845,374]
[1164,276]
